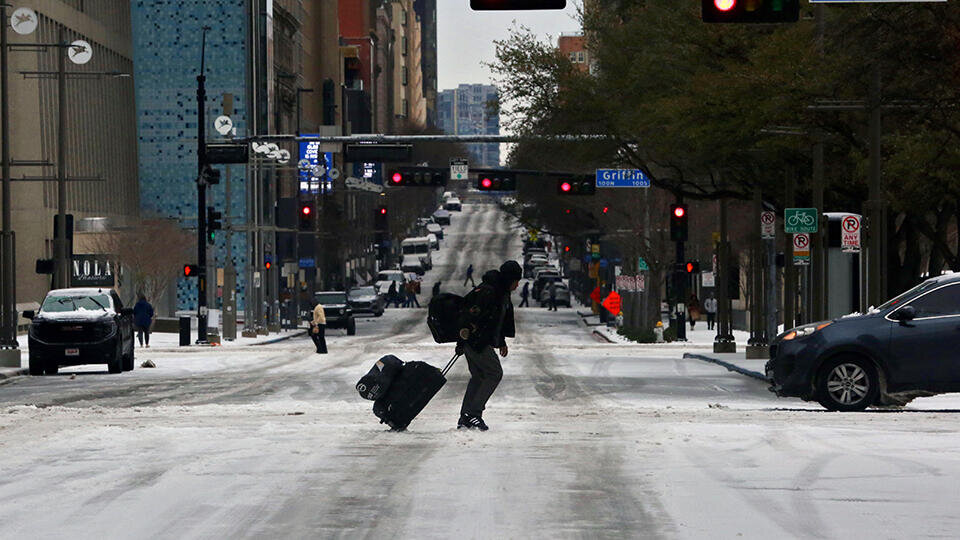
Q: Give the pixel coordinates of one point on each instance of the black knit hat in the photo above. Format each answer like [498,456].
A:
[511,271]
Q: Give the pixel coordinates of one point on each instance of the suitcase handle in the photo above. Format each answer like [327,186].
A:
[450,364]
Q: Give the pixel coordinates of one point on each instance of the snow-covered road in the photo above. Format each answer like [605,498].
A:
[587,440]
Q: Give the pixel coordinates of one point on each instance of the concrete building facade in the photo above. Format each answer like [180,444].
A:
[471,109]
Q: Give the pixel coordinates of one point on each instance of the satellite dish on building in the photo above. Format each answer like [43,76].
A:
[79,52]
[24,21]
[223,125]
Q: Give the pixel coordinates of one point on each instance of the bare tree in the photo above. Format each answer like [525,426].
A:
[150,254]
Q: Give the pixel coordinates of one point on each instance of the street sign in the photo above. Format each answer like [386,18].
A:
[799,220]
[641,282]
[597,295]
[459,168]
[768,225]
[801,249]
[612,303]
[626,283]
[256,280]
[223,124]
[708,279]
[24,21]
[622,178]
[595,252]
[850,233]
[642,265]
[218,153]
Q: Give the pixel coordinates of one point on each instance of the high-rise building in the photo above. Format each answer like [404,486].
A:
[99,136]
[472,109]
[427,13]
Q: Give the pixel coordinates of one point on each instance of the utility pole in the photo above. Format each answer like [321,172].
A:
[789,271]
[724,342]
[757,346]
[229,299]
[63,260]
[877,208]
[818,241]
[9,349]
[201,196]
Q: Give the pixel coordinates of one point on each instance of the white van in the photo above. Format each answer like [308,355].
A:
[419,246]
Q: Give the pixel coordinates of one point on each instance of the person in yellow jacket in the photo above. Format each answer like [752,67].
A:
[318,328]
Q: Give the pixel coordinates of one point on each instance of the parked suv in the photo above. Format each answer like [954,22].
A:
[366,300]
[80,326]
[904,349]
[337,310]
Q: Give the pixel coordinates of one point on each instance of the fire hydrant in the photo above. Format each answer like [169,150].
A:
[658,331]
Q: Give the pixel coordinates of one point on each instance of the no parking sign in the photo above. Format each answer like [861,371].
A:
[850,233]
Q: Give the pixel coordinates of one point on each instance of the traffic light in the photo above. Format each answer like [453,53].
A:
[678,222]
[267,260]
[692,267]
[500,181]
[213,224]
[503,5]
[568,211]
[191,270]
[750,11]
[381,219]
[211,175]
[606,209]
[305,216]
[577,186]
[418,177]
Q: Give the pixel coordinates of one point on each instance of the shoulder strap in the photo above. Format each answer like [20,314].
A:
[450,364]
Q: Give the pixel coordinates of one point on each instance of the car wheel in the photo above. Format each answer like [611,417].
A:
[378,314]
[51,369]
[128,362]
[351,327]
[36,366]
[115,365]
[847,383]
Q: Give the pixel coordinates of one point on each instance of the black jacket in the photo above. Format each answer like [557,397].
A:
[481,312]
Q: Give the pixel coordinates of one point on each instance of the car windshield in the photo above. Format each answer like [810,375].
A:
[357,292]
[897,300]
[83,302]
[389,276]
[331,298]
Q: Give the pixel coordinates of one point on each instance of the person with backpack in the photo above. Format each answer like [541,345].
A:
[469,277]
[486,319]
[525,295]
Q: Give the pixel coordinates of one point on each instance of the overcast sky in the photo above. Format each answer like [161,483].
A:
[465,37]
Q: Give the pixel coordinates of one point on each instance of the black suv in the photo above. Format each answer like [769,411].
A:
[904,349]
[336,309]
[80,326]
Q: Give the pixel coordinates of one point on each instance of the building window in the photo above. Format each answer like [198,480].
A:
[581,56]
[573,56]
[404,51]
[403,76]
[404,108]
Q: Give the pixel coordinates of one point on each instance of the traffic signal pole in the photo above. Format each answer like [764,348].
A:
[202,196]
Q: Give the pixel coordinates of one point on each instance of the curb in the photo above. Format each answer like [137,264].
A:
[732,367]
[13,373]
[277,340]
[603,336]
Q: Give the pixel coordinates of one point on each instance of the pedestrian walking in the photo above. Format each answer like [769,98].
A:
[693,309]
[436,288]
[469,277]
[318,329]
[406,294]
[487,321]
[412,294]
[553,296]
[525,295]
[142,320]
[710,306]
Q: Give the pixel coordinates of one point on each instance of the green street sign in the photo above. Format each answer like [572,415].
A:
[642,265]
[799,220]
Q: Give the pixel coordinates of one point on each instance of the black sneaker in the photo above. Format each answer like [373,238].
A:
[469,421]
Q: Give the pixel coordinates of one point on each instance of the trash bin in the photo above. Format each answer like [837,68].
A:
[184,331]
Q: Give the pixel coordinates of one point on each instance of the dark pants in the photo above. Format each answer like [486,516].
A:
[320,339]
[553,304]
[711,317]
[143,335]
[525,302]
[470,279]
[412,299]
[485,375]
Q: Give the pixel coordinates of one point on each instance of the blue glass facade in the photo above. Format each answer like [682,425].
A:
[166,41]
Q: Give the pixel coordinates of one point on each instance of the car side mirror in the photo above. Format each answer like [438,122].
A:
[906,313]
[29,314]
[126,311]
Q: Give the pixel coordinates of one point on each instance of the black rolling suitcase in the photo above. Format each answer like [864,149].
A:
[409,393]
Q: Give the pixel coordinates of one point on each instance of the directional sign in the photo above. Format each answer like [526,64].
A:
[642,264]
[459,168]
[800,220]
[768,225]
[801,249]
[627,178]
[850,233]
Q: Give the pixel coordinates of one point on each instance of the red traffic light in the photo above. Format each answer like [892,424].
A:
[305,210]
[566,249]
[267,265]
[724,5]
[383,211]
[689,268]
[565,187]
[606,209]
[679,211]
[486,182]
[397,178]
[190,270]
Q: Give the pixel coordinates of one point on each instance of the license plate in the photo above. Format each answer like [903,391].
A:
[72,352]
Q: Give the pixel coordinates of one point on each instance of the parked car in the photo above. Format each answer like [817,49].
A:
[433,228]
[453,204]
[386,277]
[447,195]
[414,264]
[434,242]
[80,326]
[904,349]
[366,300]
[540,284]
[562,294]
[337,310]
[534,262]
[424,221]
[442,217]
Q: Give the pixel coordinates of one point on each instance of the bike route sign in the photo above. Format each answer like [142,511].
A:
[799,220]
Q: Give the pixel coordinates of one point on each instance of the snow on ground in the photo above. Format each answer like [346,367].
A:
[588,440]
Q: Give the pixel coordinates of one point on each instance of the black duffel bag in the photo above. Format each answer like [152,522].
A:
[375,383]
